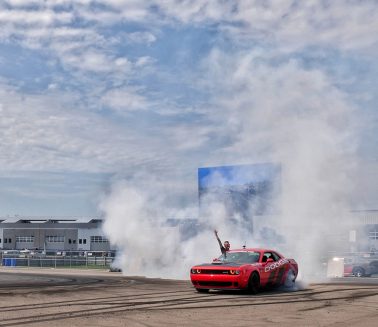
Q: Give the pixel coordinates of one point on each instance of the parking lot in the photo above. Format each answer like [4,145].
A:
[51,297]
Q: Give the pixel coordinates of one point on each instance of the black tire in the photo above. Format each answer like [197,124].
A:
[254,283]
[202,290]
[290,279]
[359,272]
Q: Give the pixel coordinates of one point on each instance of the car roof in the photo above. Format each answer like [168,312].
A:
[253,250]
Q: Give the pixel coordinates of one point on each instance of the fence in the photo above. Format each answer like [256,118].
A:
[83,261]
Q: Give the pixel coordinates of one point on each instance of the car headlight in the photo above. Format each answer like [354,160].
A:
[234,272]
[195,271]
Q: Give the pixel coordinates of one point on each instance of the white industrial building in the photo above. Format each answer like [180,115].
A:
[52,234]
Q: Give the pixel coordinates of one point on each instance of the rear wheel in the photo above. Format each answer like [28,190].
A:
[290,279]
[254,283]
[202,290]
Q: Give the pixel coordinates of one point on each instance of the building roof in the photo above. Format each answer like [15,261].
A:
[48,219]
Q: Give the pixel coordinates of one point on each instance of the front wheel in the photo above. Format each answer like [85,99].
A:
[254,283]
[358,272]
[202,290]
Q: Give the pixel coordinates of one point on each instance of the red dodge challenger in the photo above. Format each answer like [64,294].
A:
[245,269]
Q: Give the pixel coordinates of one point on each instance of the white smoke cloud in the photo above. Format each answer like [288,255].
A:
[136,213]
[298,117]
[284,113]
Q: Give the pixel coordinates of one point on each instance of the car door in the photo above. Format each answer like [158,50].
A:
[273,268]
[266,273]
[281,266]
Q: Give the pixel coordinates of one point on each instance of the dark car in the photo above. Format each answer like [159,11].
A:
[115,269]
[360,267]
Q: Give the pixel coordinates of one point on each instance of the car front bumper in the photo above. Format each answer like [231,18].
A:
[217,281]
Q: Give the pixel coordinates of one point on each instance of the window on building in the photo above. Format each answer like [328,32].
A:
[5,240]
[69,241]
[373,235]
[55,239]
[99,239]
[9,240]
[84,241]
[80,241]
[74,241]
[25,239]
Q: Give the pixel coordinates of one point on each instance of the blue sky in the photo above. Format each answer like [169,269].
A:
[237,175]
[93,91]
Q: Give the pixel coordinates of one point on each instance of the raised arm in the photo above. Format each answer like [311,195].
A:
[219,241]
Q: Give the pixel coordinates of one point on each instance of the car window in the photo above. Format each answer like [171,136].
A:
[240,257]
[266,256]
[252,257]
[374,264]
[276,257]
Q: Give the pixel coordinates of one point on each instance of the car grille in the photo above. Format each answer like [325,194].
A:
[214,271]
[212,283]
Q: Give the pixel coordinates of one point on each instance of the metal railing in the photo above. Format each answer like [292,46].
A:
[58,262]
[58,259]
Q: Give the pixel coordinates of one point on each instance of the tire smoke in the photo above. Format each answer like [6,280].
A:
[283,113]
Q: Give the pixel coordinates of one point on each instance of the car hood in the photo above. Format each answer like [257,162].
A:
[222,264]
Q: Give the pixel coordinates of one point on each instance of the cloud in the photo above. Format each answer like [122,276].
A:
[55,131]
[345,25]
[142,37]
[83,37]
[80,47]
[92,60]
[48,132]
[125,99]
[34,18]
[291,24]
[100,69]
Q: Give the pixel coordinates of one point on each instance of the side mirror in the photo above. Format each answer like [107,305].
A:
[269,260]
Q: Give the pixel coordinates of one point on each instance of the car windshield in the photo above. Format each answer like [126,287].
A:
[240,257]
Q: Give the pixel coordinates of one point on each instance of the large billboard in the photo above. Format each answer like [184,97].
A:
[245,190]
